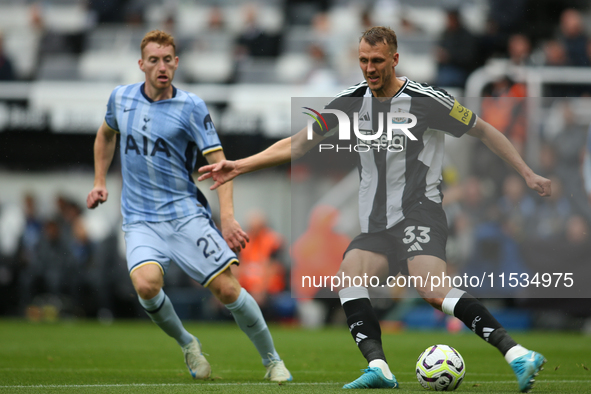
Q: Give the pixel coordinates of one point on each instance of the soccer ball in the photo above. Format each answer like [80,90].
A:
[440,368]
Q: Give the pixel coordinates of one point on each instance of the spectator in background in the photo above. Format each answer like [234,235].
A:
[547,160]
[260,271]
[29,240]
[517,209]
[456,53]
[407,27]
[570,248]
[492,43]
[6,69]
[53,42]
[184,41]
[573,38]
[320,73]
[555,54]
[317,253]
[74,236]
[110,11]
[507,15]
[216,20]
[553,213]
[366,20]
[254,41]
[519,48]
[569,144]
[134,11]
[467,207]
[50,269]
[505,109]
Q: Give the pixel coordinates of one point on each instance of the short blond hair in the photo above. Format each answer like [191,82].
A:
[380,34]
[159,37]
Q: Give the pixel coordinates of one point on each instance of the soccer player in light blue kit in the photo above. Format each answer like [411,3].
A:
[165,216]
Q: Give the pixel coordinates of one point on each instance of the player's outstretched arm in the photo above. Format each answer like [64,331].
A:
[104,149]
[231,230]
[281,152]
[502,147]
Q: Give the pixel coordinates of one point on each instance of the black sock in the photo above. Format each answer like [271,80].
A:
[477,318]
[365,328]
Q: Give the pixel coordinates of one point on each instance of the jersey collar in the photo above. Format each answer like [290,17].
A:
[399,90]
[143,90]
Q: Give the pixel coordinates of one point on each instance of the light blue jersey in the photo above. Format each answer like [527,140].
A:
[159,142]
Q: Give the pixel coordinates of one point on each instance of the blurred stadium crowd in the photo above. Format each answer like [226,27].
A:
[280,41]
[494,220]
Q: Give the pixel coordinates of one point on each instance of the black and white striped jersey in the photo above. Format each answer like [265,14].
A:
[397,174]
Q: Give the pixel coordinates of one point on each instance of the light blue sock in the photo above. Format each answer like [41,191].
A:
[250,319]
[162,313]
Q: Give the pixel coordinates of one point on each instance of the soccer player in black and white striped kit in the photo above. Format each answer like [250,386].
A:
[400,199]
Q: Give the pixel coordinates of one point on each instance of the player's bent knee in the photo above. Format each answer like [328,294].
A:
[146,289]
[227,294]
[225,287]
[147,280]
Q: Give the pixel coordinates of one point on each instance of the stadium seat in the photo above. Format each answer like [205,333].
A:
[212,41]
[429,19]
[297,39]
[420,44]
[21,45]
[66,18]
[14,16]
[114,38]
[261,70]
[345,20]
[269,18]
[191,19]
[210,67]
[292,68]
[418,67]
[61,67]
[110,66]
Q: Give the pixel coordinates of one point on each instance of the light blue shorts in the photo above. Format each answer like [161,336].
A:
[192,242]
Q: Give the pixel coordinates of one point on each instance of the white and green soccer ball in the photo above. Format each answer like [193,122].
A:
[440,368]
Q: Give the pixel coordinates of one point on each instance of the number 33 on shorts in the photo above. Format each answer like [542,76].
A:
[410,234]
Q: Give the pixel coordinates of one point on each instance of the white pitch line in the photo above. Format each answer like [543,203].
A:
[77,386]
[128,370]
[253,371]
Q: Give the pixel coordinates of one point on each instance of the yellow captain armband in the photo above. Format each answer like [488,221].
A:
[461,113]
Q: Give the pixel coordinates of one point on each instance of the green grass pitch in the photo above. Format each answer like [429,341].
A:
[135,357]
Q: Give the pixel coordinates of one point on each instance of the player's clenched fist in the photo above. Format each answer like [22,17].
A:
[97,196]
[540,184]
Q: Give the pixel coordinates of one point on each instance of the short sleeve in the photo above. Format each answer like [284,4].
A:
[203,130]
[111,116]
[448,115]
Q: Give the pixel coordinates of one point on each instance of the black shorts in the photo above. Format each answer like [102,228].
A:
[422,232]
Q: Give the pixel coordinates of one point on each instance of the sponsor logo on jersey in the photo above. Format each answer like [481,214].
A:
[399,120]
[145,148]
[208,124]
[396,144]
